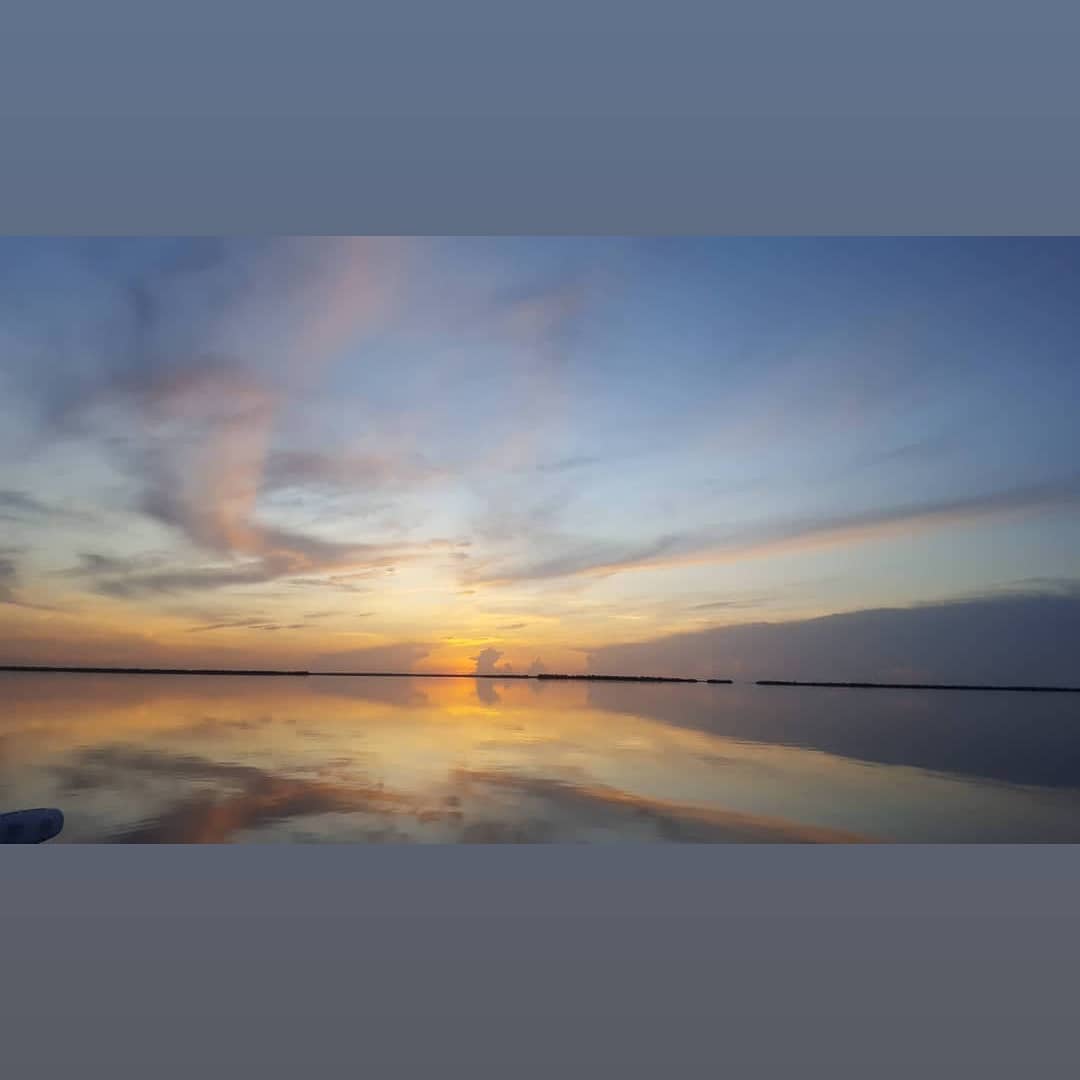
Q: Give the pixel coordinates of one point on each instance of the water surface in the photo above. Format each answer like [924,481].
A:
[157,758]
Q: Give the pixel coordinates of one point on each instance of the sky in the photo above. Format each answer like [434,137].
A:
[730,457]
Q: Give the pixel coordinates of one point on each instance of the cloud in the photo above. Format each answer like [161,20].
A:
[8,575]
[577,558]
[248,624]
[537,667]
[198,425]
[539,320]
[751,602]
[513,626]
[287,554]
[929,449]
[567,464]
[202,471]
[345,582]
[98,565]
[887,522]
[794,535]
[343,470]
[486,663]
[185,580]
[18,506]
[545,313]
[1014,638]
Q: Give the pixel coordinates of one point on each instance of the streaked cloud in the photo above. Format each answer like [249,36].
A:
[8,575]
[348,471]
[734,605]
[794,535]
[568,464]
[18,506]
[254,623]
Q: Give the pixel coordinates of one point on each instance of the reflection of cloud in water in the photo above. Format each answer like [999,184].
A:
[218,799]
[562,811]
[213,725]
[401,692]
[486,692]
[298,756]
[223,802]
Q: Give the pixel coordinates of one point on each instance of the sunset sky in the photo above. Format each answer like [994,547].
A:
[432,454]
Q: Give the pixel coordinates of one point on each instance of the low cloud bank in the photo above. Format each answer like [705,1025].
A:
[1008,638]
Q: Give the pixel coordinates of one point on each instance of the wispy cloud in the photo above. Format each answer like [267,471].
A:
[568,464]
[8,575]
[715,605]
[347,471]
[18,506]
[9,579]
[929,449]
[199,428]
[201,466]
[249,624]
[576,558]
[709,546]
[305,554]
[94,564]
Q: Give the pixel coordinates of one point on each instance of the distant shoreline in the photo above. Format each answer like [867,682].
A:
[42,669]
[921,686]
[143,671]
[70,669]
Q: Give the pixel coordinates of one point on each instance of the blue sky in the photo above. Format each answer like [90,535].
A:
[418,450]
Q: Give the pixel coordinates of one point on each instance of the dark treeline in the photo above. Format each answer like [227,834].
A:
[146,671]
[621,678]
[349,674]
[422,675]
[921,686]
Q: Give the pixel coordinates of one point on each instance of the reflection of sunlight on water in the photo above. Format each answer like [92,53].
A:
[378,760]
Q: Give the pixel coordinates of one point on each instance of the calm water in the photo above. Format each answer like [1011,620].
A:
[233,759]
